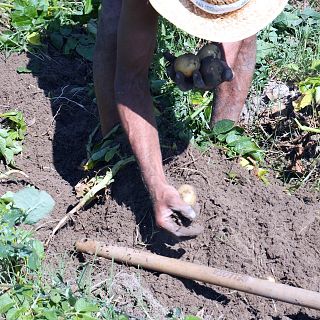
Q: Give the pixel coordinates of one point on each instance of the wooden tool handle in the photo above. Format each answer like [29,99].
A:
[188,270]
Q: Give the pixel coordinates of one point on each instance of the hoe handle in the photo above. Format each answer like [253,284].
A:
[188,270]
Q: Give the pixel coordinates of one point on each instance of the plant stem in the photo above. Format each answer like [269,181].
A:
[307,129]
[6,5]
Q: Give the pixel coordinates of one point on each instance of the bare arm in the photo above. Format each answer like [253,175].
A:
[136,42]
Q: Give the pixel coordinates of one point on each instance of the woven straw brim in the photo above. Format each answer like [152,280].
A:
[230,27]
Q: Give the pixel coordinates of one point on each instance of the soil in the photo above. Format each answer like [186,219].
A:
[250,228]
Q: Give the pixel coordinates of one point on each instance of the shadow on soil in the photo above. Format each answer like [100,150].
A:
[65,82]
[298,316]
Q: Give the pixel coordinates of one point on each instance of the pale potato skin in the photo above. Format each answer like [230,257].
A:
[209,50]
[188,194]
[187,64]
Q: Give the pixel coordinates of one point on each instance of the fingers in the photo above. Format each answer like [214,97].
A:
[180,231]
[198,81]
[227,74]
[183,83]
[171,72]
[185,210]
[169,56]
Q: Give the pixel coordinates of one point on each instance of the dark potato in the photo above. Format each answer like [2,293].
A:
[209,50]
[212,71]
[187,64]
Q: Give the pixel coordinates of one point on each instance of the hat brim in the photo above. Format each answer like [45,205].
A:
[230,27]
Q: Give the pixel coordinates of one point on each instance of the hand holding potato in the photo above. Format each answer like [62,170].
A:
[168,204]
[204,71]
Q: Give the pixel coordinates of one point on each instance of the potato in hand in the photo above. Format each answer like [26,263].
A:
[188,194]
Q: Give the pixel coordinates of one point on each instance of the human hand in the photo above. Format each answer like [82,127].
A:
[204,71]
[167,206]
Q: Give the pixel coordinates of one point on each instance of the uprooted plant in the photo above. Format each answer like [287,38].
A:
[107,152]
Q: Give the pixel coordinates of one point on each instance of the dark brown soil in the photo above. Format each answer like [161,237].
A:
[250,228]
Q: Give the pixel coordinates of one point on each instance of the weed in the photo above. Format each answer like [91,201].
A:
[29,22]
[12,131]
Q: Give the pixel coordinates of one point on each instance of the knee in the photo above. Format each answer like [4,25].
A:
[250,41]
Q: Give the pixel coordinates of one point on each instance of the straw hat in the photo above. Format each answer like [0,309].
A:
[220,20]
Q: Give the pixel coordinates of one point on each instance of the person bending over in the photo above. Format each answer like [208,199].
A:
[124,49]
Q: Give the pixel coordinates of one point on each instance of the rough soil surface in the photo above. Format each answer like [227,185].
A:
[250,228]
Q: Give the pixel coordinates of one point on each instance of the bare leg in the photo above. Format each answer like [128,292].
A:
[231,96]
[104,64]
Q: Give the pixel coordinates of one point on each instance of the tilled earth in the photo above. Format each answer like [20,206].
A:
[250,228]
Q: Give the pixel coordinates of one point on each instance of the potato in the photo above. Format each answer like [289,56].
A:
[188,194]
[187,64]
[209,50]
[211,70]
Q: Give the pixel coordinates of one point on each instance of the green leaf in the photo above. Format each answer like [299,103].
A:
[8,154]
[57,40]
[315,65]
[262,175]
[317,95]
[16,123]
[3,146]
[223,126]
[4,133]
[36,204]
[82,305]
[111,153]
[92,28]
[244,146]
[85,51]
[55,296]
[87,317]
[5,303]
[308,12]
[14,313]
[189,317]
[38,248]
[35,258]
[257,155]
[87,6]
[50,314]
[306,100]
[222,137]
[33,262]
[34,38]
[232,136]
[264,49]
[23,69]
[70,45]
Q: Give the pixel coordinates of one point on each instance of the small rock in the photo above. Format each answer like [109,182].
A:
[276,91]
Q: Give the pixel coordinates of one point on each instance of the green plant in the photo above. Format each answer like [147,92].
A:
[288,46]
[17,249]
[12,131]
[24,292]
[231,136]
[310,91]
[30,22]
